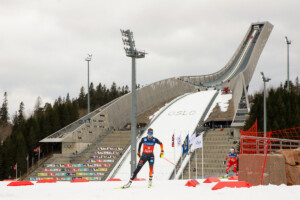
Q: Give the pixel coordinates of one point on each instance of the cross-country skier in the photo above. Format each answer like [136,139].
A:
[233,157]
[147,155]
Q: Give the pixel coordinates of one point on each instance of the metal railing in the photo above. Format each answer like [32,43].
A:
[260,145]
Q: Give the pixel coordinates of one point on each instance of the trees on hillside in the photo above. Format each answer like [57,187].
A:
[4,117]
[283,109]
[44,121]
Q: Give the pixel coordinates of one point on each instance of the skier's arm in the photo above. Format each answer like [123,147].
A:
[224,162]
[139,150]
[226,157]
[161,144]
[161,148]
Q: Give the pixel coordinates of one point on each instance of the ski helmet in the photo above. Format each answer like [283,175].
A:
[150,131]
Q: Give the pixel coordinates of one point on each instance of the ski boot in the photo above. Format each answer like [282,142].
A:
[150,182]
[127,185]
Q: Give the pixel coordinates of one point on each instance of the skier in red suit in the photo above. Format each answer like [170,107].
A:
[233,157]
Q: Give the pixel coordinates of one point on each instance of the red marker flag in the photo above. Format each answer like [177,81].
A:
[16,166]
[36,149]
[173,140]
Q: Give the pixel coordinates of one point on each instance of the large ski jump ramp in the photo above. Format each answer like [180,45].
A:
[180,117]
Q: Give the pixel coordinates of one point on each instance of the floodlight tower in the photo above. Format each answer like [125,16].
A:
[288,42]
[264,79]
[131,51]
[88,59]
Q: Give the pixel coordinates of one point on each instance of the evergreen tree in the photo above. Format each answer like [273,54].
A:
[21,116]
[9,152]
[99,97]
[38,110]
[82,98]
[1,163]
[74,115]
[21,152]
[4,117]
[283,108]
[113,91]
[93,102]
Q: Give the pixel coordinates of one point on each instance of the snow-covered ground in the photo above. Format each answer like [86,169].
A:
[139,191]
[222,100]
[180,118]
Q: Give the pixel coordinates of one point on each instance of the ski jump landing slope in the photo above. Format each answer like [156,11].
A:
[180,117]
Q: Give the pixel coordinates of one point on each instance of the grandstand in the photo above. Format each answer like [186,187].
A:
[97,146]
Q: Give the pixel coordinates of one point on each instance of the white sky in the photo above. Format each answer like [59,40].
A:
[43,43]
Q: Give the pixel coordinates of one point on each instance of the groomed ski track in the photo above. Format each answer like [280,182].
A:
[179,118]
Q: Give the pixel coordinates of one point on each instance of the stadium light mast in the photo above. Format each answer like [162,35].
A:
[265,80]
[131,51]
[88,59]
[288,42]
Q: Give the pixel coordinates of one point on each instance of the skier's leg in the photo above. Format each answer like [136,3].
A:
[151,165]
[228,166]
[139,167]
[235,167]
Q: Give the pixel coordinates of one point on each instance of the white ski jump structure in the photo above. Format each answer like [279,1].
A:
[192,101]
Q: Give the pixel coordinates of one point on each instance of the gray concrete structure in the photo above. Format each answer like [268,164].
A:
[246,67]
[116,114]
[238,72]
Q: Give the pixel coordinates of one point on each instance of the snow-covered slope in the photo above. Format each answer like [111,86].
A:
[180,118]
[173,189]
[223,101]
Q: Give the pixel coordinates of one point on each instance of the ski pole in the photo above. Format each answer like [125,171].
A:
[170,161]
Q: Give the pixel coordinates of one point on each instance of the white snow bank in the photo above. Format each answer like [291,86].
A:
[223,101]
[174,189]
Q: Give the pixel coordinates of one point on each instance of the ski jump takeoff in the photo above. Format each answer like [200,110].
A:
[233,157]
[149,143]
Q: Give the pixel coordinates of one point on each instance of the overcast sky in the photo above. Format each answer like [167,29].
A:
[43,43]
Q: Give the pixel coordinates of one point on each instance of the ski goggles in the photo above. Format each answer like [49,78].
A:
[150,132]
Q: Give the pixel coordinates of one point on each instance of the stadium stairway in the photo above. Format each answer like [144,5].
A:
[216,147]
[94,163]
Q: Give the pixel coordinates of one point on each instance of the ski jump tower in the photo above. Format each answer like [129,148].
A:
[236,75]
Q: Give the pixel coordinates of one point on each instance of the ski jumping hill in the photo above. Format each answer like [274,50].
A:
[186,112]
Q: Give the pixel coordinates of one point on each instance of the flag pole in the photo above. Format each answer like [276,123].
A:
[190,157]
[32,162]
[16,171]
[202,161]
[181,165]
[190,168]
[27,159]
[39,156]
[174,153]
[196,164]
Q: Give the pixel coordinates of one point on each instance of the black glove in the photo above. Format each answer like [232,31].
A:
[224,162]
